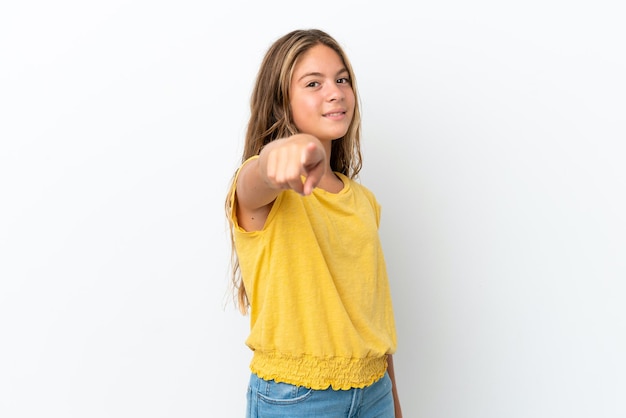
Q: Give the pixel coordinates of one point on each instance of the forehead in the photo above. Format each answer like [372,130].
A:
[319,59]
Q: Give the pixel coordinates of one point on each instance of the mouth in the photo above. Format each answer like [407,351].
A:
[334,114]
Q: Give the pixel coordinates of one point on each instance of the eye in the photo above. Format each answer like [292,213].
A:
[343,80]
[313,84]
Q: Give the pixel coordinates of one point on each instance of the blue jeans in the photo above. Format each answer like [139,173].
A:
[268,399]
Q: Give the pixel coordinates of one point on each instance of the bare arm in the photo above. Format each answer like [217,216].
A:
[392,376]
[280,166]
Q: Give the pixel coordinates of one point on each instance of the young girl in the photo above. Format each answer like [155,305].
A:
[308,259]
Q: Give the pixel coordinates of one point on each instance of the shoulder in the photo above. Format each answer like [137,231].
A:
[358,187]
[364,192]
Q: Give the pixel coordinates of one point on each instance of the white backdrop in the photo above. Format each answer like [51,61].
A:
[493,138]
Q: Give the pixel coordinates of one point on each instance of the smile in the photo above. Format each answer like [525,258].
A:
[334,114]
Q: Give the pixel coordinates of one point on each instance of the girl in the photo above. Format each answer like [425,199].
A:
[308,262]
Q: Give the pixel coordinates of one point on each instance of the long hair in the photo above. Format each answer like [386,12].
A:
[271,119]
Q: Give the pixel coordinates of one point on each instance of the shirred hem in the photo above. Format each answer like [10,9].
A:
[319,373]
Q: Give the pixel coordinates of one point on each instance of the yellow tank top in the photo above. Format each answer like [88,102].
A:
[320,305]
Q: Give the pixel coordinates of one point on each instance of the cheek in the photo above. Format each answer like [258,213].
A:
[301,110]
[350,98]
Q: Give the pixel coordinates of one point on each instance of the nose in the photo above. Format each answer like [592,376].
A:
[335,93]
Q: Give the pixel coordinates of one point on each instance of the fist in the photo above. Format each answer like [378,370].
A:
[286,161]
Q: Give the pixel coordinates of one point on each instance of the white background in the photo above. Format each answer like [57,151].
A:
[493,138]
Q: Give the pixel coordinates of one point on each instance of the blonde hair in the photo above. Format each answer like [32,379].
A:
[270,119]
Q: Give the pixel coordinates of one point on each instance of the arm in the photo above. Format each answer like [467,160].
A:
[280,166]
[392,376]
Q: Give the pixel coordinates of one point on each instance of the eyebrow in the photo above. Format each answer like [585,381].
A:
[318,74]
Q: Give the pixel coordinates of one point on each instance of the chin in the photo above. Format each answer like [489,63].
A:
[337,134]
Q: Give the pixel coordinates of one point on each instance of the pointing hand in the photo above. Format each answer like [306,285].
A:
[288,160]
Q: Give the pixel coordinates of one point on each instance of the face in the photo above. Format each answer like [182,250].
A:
[322,99]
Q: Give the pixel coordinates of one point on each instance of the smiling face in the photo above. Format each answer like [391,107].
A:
[321,95]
